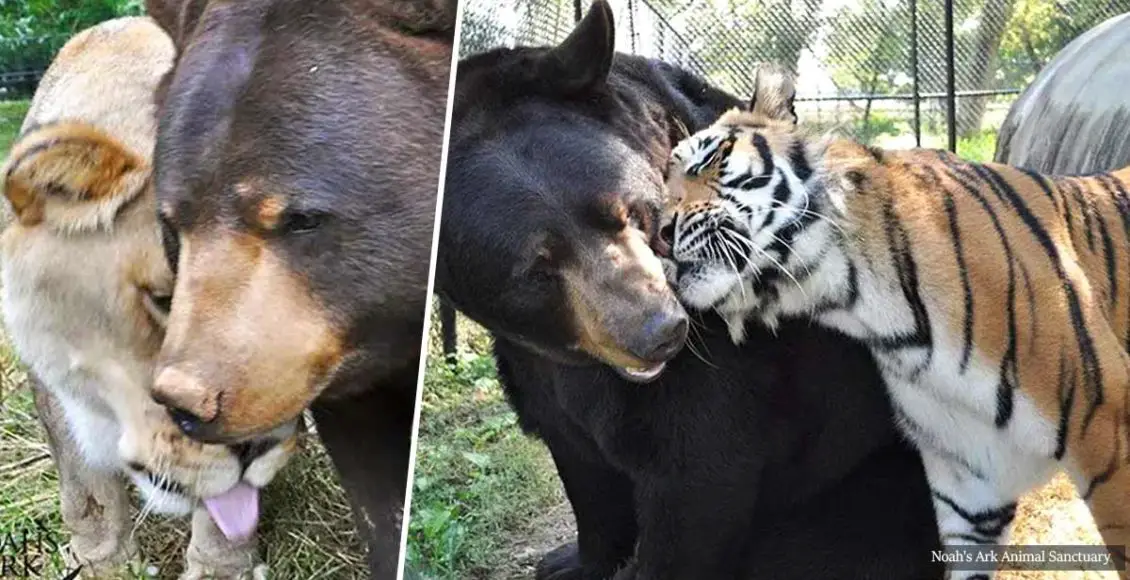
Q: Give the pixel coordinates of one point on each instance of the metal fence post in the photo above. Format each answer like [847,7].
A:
[951,88]
[447,328]
[632,24]
[914,72]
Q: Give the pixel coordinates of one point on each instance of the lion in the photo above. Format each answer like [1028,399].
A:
[86,288]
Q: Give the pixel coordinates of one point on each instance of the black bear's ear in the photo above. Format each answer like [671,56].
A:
[178,17]
[584,59]
[774,93]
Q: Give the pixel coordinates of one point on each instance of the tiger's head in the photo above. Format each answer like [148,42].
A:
[740,192]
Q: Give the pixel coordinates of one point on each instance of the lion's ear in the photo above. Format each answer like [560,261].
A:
[774,90]
[177,17]
[71,176]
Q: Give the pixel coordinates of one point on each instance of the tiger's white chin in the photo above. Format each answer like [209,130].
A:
[705,286]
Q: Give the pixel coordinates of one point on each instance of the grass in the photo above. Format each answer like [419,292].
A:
[11,117]
[980,147]
[480,483]
[306,531]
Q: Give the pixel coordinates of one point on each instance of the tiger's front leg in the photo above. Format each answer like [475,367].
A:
[1099,444]
[975,470]
[970,508]
[1102,477]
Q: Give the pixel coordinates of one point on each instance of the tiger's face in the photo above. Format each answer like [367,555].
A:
[737,198]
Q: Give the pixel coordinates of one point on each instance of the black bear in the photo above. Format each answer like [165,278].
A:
[777,459]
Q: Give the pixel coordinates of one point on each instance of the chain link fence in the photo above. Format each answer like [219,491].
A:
[23,61]
[878,70]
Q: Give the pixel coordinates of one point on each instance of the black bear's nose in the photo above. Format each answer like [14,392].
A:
[662,336]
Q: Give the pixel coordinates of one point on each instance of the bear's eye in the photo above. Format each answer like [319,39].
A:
[542,268]
[301,222]
[639,217]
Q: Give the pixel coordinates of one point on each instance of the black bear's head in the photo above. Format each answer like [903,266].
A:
[550,214]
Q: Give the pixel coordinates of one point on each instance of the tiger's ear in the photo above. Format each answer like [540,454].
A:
[72,176]
[774,90]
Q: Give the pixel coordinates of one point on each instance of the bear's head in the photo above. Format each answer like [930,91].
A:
[552,199]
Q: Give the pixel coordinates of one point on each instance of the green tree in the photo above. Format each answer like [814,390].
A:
[1039,29]
[869,52]
[725,38]
[32,31]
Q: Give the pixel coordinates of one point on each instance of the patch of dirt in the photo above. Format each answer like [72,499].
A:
[1055,515]
[552,529]
[1052,515]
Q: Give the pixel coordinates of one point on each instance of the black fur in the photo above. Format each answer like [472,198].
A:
[776,459]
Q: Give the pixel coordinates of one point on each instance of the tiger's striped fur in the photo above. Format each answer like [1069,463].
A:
[995,300]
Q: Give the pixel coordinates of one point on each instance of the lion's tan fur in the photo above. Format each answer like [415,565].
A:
[82,261]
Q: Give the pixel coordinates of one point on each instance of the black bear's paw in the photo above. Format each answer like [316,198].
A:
[563,563]
[628,572]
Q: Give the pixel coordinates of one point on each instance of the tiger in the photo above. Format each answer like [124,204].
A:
[995,300]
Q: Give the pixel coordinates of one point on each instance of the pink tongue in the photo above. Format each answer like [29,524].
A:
[235,511]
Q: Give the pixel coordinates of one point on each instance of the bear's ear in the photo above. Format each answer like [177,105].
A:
[584,59]
[774,90]
[419,16]
[72,176]
[177,17]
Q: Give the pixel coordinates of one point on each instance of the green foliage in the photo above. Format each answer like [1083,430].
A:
[770,31]
[32,31]
[1039,29]
[11,117]
[998,44]
[978,147]
[874,126]
[868,47]
[479,480]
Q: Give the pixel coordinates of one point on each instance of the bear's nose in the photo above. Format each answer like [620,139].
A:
[662,336]
[191,405]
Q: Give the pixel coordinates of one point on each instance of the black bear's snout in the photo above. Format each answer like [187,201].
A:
[661,337]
